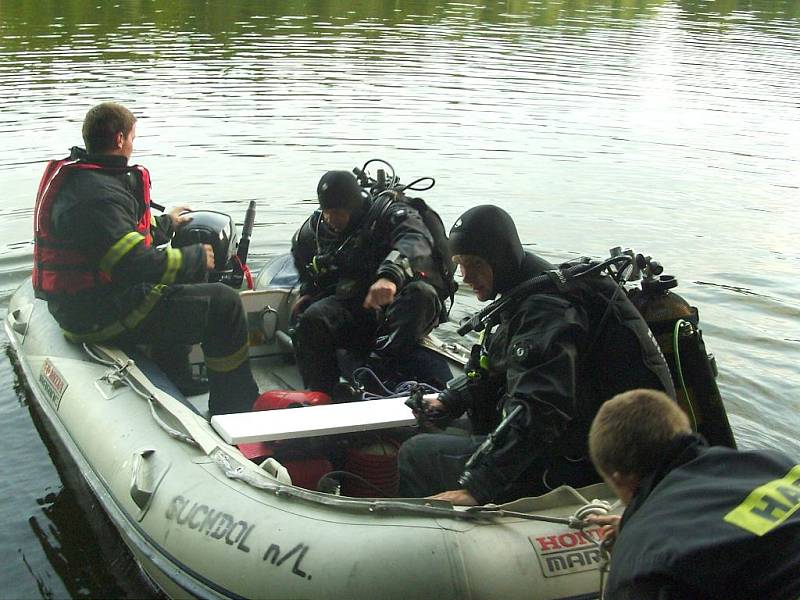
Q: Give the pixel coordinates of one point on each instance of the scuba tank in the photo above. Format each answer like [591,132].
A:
[676,327]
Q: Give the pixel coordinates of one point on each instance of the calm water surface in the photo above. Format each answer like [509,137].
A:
[671,127]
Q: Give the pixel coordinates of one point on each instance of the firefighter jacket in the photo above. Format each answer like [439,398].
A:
[96,261]
[560,356]
[711,523]
[386,242]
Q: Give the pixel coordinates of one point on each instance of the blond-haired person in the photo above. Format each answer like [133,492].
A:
[700,521]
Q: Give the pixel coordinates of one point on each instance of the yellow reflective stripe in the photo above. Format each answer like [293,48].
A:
[135,317]
[174,260]
[138,314]
[124,245]
[224,364]
[768,505]
[153,221]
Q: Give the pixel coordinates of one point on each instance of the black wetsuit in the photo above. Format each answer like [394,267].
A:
[558,356]
[711,523]
[337,269]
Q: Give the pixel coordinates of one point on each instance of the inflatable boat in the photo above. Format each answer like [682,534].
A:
[299,501]
[205,521]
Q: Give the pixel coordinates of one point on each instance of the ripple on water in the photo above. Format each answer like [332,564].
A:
[653,125]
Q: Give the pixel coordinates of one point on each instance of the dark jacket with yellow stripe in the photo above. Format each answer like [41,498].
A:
[98,211]
[711,523]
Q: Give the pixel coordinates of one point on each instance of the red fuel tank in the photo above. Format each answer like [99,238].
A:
[305,473]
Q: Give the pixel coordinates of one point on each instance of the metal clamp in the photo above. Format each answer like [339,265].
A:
[117,377]
[112,382]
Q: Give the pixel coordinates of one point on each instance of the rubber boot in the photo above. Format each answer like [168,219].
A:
[174,361]
[316,355]
[231,391]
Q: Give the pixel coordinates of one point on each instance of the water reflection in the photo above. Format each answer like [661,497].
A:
[83,30]
[668,126]
[80,544]
[61,531]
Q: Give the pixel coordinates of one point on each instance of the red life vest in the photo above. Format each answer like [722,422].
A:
[59,266]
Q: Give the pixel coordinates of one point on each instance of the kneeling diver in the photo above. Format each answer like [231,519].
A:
[552,358]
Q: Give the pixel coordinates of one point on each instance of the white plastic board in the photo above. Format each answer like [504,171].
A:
[310,421]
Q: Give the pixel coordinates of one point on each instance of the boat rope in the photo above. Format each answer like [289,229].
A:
[496,511]
[121,376]
[88,349]
[153,403]
[575,521]
[605,563]
[417,506]
[171,431]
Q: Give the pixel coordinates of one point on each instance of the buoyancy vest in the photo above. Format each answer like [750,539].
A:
[60,266]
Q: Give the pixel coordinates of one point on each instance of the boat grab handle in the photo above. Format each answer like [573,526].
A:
[143,484]
[20,318]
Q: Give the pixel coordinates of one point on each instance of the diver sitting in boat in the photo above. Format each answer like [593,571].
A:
[369,281]
[96,264]
[700,522]
[546,364]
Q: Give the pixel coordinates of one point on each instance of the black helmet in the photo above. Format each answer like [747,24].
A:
[489,232]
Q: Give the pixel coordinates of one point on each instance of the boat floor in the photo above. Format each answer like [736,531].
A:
[275,372]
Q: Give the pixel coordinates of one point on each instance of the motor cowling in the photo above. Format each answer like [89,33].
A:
[216,229]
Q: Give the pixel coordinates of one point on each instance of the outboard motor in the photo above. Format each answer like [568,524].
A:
[219,231]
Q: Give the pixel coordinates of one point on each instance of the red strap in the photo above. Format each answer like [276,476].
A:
[245,271]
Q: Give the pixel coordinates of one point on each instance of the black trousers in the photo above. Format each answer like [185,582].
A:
[331,323]
[210,314]
[430,463]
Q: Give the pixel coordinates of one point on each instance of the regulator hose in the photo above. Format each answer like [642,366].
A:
[679,324]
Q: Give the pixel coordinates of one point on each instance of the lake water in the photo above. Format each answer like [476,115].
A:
[672,127]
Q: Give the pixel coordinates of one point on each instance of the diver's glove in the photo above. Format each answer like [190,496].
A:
[429,414]
[454,401]
[396,268]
